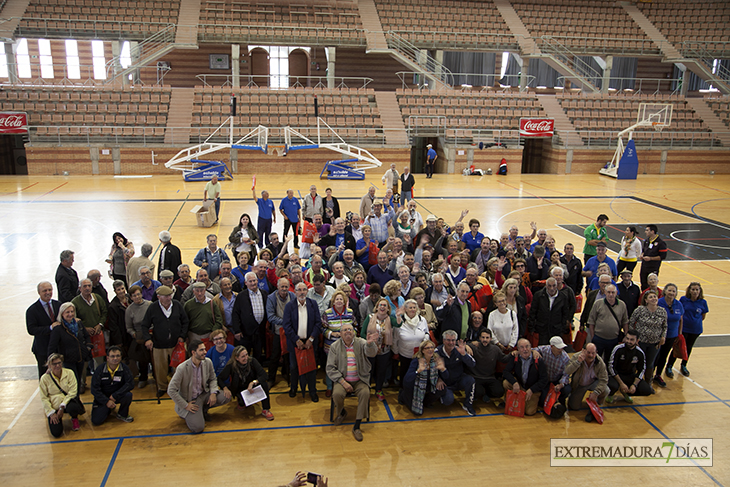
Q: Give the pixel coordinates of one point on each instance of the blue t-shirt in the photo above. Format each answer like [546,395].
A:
[360,244]
[673,317]
[265,208]
[592,265]
[472,243]
[431,154]
[693,311]
[220,359]
[291,209]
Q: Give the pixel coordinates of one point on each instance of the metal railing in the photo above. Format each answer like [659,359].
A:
[86,77]
[647,139]
[415,55]
[562,53]
[294,81]
[615,46]
[481,81]
[700,52]
[713,49]
[636,85]
[459,40]
[142,52]
[280,34]
[80,29]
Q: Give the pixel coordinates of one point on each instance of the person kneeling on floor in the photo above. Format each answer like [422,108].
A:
[526,373]
[112,385]
[457,356]
[588,374]
[245,373]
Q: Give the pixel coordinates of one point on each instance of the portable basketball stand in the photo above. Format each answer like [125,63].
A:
[188,160]
[625,163]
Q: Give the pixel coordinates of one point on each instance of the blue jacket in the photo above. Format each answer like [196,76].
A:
[103,385]
[454,365]
[291,322]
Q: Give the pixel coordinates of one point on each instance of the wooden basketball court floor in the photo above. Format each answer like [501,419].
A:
[41,216]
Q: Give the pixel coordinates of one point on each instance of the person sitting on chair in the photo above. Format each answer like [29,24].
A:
[349,371]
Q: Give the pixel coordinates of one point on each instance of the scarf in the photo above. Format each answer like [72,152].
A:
[360,293]
[411,322]
[242,371]
[426,382]
[73,326]
[385,332]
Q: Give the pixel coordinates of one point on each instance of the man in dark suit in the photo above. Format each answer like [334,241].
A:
[532,382]
[170,256]
[451,313]
[549,313]
[40,318]
[67,280]
[301,336]
[249,317]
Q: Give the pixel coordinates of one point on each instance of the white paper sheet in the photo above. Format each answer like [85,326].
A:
[257,395]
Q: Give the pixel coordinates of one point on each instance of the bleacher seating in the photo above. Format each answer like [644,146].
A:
[302,21]
[350,112]
[682,21]
[721,107]
[478,110]
[598,26]
[453,24]
[133,113]
[602,116]
[90,18]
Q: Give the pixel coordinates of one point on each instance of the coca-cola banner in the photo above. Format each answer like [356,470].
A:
[13,122]
[537,127]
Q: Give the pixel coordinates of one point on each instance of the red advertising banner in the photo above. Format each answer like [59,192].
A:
[13,122]
[537,127]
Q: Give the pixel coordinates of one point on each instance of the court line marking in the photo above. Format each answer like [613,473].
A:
[387,410]
[668,438]
[19,190]
[694,243]
[324,425]
[20,413]
[111,462]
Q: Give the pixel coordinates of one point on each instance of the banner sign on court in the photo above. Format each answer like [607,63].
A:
[631,452]
[13,122]
[537,127]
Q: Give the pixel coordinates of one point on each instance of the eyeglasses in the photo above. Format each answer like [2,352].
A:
[520,266]
[429,347]
[219,339]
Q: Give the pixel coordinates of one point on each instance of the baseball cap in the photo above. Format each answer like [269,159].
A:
[601,244]
[431,218]
[557,342]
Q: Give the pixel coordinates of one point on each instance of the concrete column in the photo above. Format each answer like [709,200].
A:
[236,65]
[116,52]
[117,160]
[94,155]
[662,163]
[437,67]
[607,66]
[331,55]
[234,161]
[523,73]
[685,78]
[10,48]
[134,54]
[568,161]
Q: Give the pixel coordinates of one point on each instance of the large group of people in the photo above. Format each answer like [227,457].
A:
[384,298]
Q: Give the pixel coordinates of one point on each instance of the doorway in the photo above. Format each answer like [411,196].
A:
[418,153]
[532,157]
[12,155]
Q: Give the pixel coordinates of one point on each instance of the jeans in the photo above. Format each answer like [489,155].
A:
[604,347]
[100,412]
[264,230]
[293,225]
[465,383]
[650,352]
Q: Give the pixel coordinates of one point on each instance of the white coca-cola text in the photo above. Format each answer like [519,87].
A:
[541,126]
[12,121]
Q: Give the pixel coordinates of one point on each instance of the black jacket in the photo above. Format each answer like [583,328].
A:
[450,317]
[328,240]
[173,258]
[74,348]
[242,318]
[38,324]
[627,361]
[575,277]
[67,282]
[537,274]
[630,296]
[104,386]
[537,376]
[165,331]
[546,321]
[115,324]
[238,385]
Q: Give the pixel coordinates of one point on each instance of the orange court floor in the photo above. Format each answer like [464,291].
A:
[41,216]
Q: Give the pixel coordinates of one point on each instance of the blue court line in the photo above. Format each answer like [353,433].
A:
[2,437]
[111,462]
[668,438]
[171,224]
[387,409]
[320,425]
[710,393]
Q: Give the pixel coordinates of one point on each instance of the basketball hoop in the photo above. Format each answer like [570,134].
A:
[658,126]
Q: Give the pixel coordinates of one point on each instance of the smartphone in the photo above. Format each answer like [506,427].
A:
[313,478]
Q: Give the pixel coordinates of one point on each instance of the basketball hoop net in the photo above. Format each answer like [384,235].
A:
[658,126]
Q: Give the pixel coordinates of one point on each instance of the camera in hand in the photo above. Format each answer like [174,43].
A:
[313,478]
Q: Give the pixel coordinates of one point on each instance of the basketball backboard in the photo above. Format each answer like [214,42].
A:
[656,115]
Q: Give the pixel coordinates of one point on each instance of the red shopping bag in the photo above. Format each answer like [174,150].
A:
[178,355]
[679,349]
[580,340]
[99,349]
[514,403]
[534,338]
[373,251]
[230,338]
[308,231]
[550,400]
[208,343]
[282,339]
[305,360]
[578,303]
[596,410]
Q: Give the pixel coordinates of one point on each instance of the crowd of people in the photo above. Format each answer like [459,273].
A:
[383,298]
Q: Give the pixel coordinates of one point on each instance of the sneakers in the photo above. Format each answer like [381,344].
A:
[357,434]
[267,414]
[660,381]
[589,417]
[628,398]
[126,419]
[501,405]
[469,409]
[669,372]
[683,370]
[610,399]
[75,424]
[379,395]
